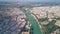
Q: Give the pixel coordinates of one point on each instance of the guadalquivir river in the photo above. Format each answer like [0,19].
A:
[36,28]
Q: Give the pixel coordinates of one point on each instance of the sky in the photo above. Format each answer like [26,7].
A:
[32,0]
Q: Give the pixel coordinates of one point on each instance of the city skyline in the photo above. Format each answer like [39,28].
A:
[31,0]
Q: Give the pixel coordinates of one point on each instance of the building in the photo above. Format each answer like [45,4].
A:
[25,32]
[57,31]
[12,22]
[58,23]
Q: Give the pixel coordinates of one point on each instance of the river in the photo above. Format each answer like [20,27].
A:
[31,19]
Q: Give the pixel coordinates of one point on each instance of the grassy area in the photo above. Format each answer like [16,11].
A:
[50,27]
[42,19]
[57,18]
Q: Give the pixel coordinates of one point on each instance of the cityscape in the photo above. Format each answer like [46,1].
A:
[29,17]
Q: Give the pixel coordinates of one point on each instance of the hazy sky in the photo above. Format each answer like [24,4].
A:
[33,0]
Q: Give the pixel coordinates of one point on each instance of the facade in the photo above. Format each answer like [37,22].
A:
[25,32]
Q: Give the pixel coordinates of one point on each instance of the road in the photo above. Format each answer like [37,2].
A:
[31,19]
